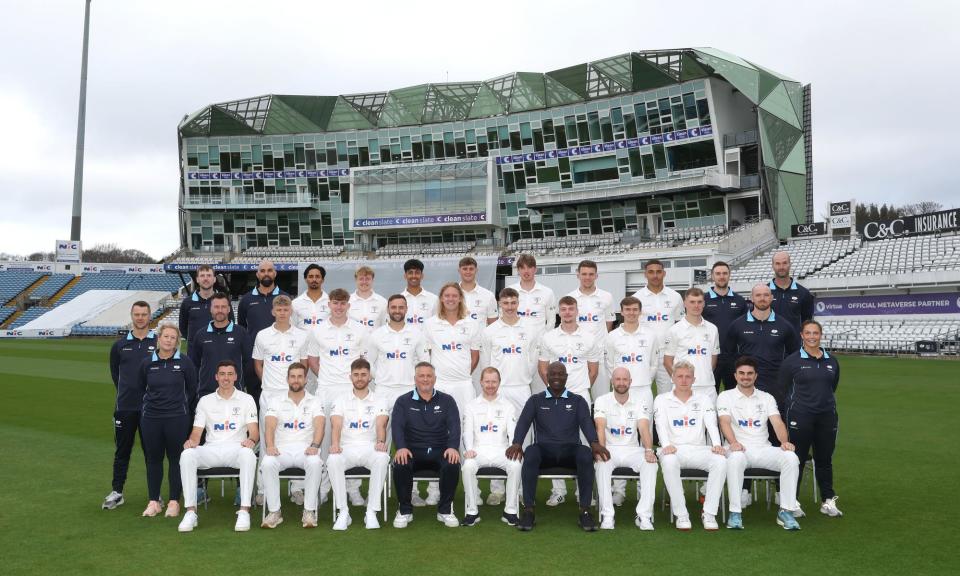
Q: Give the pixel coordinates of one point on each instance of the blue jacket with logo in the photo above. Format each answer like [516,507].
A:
[769,342]
[126,357]
[810,382]
[418,423]
[721,311]
[556,420]
[211,345]
[194,315]
[255,310]
[170,386]
[795,304]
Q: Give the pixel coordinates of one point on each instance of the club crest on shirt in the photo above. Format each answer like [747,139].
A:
[498,414]
[463,331]
[774,331]
[696,405]
[522,335]
[348,337]
[368,409]
[424,306]
[536,299]
[292,343]
[236,411]
[406,341]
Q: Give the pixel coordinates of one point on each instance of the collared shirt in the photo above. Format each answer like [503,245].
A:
[369,313]
[307,313]
[212,345]
[255,310]
[170,386]
[594,310]
[722,311]
[359,417]
[537,306]
[697,344]
[659,310]
[394,353]
[225,419]
[810,382]
[419,423]
[195,314]
[636,351]
[481,304]
[278,350]
[488,423]
[294,421]
[420,307]
[336,347]
[682,423]
[620,428]
[795,304]
[748,415]
[126,358]
[450,347]
[556,420]
[575,350]
[768,341]
[512,350]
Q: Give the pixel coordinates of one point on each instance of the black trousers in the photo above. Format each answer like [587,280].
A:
[426,459]
[126,424]
[538,456]
[819,432]
[164,436]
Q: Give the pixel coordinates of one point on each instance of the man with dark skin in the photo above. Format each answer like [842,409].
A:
[559,417]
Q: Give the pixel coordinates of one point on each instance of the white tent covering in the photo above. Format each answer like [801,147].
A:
[97,308]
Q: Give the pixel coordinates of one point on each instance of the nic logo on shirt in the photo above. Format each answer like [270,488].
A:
[396,355]
[341,351]
[281,357]
[489,427]
[684,422]
[415,319]
[365,322]
[658,317]
[451,346]
[588,318]
[359,425]
[621,431]
[511,350]
[632,358]
[569,359]
[295,425]
[228,425]
[528,313]
[698,351]
[749,423]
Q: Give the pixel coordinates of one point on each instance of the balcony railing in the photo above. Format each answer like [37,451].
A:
[246,200]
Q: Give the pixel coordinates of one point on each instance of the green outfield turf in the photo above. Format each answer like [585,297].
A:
[896,470]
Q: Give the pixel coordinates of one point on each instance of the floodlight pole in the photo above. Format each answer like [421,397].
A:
[81,123]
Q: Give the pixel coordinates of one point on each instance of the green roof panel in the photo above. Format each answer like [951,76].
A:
[647,75]
[227,124]
[573,77]
[743,78]
[316,109]
[557,94]
[528,92]
[486,104]
[346,117]
[778,104]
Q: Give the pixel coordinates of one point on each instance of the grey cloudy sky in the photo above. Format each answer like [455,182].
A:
[882,73]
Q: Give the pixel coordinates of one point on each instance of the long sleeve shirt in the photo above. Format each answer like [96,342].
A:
[810,382]
[419,423]
[556,420]
[170,386]
[126,358]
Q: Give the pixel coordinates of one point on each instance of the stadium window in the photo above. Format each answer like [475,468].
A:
[515,141]
[593,123]
[630,125]
[583,132]
[331,156]
[547,130]
[659,157]
[526,135]
[561,136]
[703,111]
[606,129]
[648,167]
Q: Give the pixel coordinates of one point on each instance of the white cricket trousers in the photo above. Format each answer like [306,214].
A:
[700,458]
[351,456]
[769,458]
[627,457]
[230,455]
[495,457]
[291,456]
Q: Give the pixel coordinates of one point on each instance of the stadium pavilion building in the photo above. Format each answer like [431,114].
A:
[635,145]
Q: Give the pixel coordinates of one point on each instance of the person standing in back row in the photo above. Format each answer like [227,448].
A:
[255,311]
[126,356]
[195,309]
[722,307]
[791,301]
[661,309]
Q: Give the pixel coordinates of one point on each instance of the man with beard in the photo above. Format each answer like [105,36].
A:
[195,309]
[722,307]
[313,306]
[220,340]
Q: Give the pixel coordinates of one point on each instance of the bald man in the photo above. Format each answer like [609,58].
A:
[791,301]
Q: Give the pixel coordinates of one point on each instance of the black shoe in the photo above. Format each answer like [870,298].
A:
[509,519]
[527,520]
[470,520]
[586,521]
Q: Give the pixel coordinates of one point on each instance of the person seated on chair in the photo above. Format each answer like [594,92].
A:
[293,436]
[558,417]
[426,431]
[622,417]
[358,433]
[487,429]
[229,417]
[743,413]
[683,420]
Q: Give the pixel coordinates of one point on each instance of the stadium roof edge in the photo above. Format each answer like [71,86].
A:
[509,93]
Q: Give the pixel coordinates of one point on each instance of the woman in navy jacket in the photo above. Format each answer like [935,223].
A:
[170,384]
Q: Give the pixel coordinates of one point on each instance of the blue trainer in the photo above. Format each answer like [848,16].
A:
[785,518]
[734,521]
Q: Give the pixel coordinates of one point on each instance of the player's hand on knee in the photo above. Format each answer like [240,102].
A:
[650,456]
[736,446]
[514,452]
[402,456]
[718,450]
[668,450]
[274,451]
[452,456]
[470,454]
[600,453]
[788,447]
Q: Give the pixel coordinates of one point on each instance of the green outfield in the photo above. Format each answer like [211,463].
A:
[896,468]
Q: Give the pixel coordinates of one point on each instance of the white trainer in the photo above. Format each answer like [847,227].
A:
[343,521]
[606,523]
[618,499]
[297,497]
[356,498]
[683,523]
[746,498]
[402,520]
[370,521]
[495,499]
[189,522]
[243,521]
[797,512]
[433,498]
[449,520]
[829,507]
[709,521]
[555,499]
[112,500]
[417,500]
[644,523]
